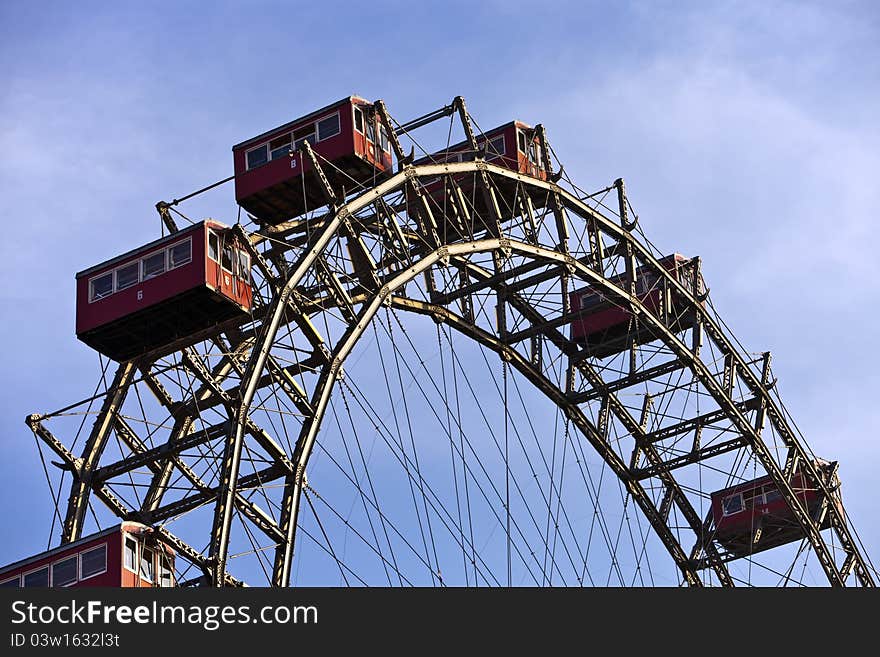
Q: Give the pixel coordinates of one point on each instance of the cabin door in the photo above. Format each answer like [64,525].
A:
[533,159]
[227,282]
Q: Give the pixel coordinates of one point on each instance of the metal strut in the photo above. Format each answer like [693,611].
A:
[357,286]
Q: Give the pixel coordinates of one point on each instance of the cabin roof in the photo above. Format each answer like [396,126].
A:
[619,277]
[301,119]
[146,247]
[463,145]
[821,464]
[67,547]
[743,485]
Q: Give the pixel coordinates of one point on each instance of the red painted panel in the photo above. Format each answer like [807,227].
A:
[525,165]
[602,320]
[144,294]
[348,142]
[286,168]
[360,143]
[746,520]
[154,290]
[606,317]
[368,150]
[227,283]
[109,578]
[115,575]
[511,159]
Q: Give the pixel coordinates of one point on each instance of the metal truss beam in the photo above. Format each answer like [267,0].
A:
[752,381]
[723,400]
[611,401]
[293,484]
[580,421]
[694,456]
[102,492]
[82,475]
[632,247]
[642,376]
[693,424]
[202,497]
[371,289]
[143,456]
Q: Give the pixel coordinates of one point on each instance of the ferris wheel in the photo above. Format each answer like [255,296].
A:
[434,364]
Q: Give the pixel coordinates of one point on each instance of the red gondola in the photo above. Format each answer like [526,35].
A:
[605,328]
[127,555]
[753,516]
[513,146]
[274,182]
[170,292]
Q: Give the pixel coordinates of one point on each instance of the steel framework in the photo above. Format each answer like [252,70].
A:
[492,259]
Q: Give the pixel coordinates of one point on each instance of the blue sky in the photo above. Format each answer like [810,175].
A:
[747,133]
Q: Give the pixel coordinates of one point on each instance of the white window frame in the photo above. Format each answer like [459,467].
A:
[103,547]
[166,251]
[247,164]
[760,496]
[144,550]
[142,259]
[324,118]
[317,137]
[17,577]
[169,266]
[213,232]
[533,156]
[384,142]
[646,282]
[270,150]
[116,287]
[246,275]
[595,298]
[355,109]
[162,559]
[92,297]
[31,572]
[520,133]
[768,492]
[75,557]
[313,134]
[306,139]
[742,504]
[490,150]
[137,554]
[232,259]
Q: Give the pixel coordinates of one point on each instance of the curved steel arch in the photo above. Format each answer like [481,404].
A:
[288,306]
[293,483]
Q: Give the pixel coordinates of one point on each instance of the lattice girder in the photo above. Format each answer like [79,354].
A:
[503,284]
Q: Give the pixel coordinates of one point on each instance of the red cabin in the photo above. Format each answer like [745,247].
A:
[606,328]
[273,180]
[753,516]
[513,146]
[173,291]
[127,555]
